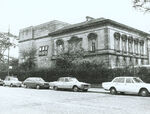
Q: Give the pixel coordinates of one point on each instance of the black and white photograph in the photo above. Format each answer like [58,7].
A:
[75,57]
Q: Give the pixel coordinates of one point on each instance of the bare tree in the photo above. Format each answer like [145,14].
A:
[5,43]
[142,5]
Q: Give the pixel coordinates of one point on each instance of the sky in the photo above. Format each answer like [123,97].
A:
[19,14]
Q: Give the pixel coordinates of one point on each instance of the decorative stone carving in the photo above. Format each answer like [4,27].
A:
[117,35]
[130,39]
[124,37]
[59,42]
[136,41]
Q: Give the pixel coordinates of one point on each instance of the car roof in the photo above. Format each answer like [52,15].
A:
[34,78]
[126,77]
[67,77]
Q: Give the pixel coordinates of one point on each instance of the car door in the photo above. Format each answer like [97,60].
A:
[67,83]
[131,86]
[60,83]
[119,84]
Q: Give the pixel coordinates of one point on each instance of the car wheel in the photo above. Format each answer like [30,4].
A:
[75,89]
[144,92]
[55,88]
[37,87]
[113,91]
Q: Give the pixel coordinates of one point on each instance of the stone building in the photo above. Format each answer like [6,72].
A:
[103,40]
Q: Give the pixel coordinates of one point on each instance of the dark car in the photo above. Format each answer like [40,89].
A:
[1,82]
[35,82]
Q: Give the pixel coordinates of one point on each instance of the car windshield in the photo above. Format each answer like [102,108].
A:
[73,80]
[14,79]
[137,80]
[39,79]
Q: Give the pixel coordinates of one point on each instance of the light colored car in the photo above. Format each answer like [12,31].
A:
[35,82]
[129,85]
[12,81]
[69,83]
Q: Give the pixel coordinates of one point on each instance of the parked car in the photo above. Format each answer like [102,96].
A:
[1,82]
[12,81]
[69,83]
[129,85]
[35,82]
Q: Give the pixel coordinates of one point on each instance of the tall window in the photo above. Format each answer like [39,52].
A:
[92,41]
[59,46]
[117,41]
[130,42]
[124,43]
[136,46]
[75,43]
[117,62]
[142,47]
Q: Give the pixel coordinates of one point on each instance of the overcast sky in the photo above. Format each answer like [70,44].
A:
[23,13]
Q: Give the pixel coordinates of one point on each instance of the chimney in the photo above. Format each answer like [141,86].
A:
[88,18]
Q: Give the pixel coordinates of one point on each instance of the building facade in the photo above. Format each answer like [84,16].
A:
[103,40]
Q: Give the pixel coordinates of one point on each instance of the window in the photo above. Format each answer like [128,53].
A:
[142,47]
[92,42]
[124,43]
[129,80]
[130,43]
[142,61]
[117,61]
[43,50]
[136,62]
[117,41]
[136,46]
[75,43]
[125,62]
[119,80]
[59,46]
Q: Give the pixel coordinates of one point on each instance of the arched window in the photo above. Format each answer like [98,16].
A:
[117,41]
[130,44]
[92,42]
[117,62]
[142,47]
[136,46]
[75,43]
[59,46]
[124,43]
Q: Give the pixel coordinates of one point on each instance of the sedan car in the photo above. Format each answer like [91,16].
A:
[69,83]
[12,81]
[35,82]
[129,85]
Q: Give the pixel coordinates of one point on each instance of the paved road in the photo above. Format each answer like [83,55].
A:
[96,101]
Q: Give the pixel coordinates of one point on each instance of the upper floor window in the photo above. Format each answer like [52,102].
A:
[59,46]
[117,41]
[130,44]
[75,43]
[92,41]
[124,43]
[43,50]
[142,47]
[136,46]
[117,62]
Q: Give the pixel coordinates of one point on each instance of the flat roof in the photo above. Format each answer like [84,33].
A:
[94,22]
